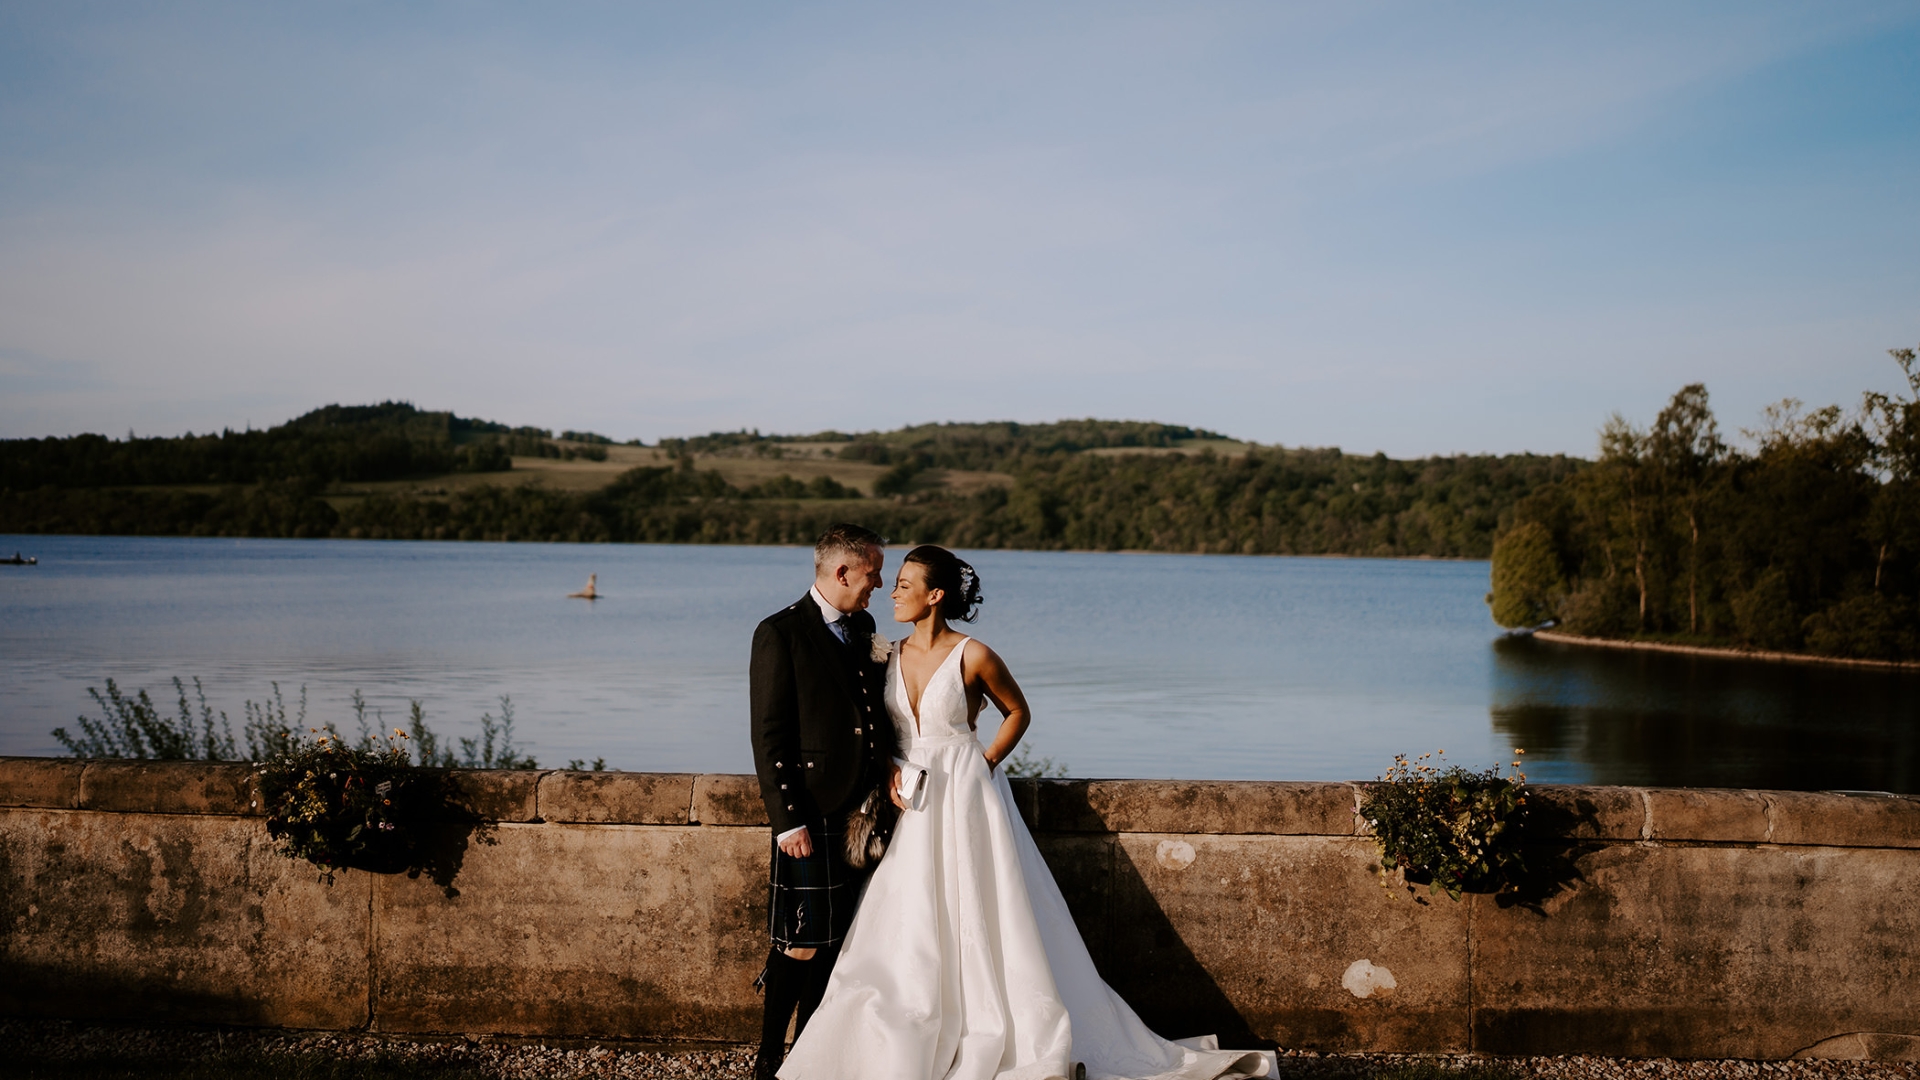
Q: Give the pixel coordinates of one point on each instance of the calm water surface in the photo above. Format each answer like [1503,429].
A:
[1136,665]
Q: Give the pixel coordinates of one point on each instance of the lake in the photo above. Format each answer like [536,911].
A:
[1136,665]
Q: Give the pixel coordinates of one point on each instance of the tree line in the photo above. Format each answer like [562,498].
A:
[990,446]
[351,443]
[1806,541]
[1266,501]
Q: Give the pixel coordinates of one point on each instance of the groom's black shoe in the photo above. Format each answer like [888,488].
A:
[785,981]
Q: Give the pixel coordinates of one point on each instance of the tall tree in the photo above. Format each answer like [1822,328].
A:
[1894,426]
[1685,448]
[1623,459]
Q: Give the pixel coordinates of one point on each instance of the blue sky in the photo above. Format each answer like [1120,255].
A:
[1418,228]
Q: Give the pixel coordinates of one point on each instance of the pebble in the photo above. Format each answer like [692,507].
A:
[64,1041]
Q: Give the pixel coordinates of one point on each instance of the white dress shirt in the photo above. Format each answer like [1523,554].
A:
[831,614]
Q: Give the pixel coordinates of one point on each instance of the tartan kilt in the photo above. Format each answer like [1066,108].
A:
[810,901]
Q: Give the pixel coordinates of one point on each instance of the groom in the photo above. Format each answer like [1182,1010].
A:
[821,742]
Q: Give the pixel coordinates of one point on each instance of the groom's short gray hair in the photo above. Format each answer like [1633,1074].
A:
[844,541]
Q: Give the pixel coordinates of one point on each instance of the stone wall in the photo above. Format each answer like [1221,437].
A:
[1687,923]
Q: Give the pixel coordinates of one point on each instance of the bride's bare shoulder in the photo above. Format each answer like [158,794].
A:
[979,656]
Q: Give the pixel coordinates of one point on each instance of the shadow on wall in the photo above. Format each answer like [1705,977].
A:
[1161,978]
[1118,917]
[79,992]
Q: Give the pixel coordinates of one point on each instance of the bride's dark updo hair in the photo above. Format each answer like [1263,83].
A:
[948,571]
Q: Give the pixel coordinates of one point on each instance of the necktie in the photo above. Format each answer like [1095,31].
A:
[843,629]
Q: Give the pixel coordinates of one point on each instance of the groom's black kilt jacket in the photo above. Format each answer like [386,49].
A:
[821,737]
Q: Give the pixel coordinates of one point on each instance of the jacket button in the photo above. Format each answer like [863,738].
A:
[789,806]
[779,764]
[809,764]
[783,787]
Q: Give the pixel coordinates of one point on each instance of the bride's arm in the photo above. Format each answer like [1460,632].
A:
[997,684]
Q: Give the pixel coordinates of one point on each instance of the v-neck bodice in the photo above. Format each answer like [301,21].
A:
[944,711]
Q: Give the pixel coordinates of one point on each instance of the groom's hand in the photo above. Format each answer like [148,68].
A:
[893,789]
[799,845]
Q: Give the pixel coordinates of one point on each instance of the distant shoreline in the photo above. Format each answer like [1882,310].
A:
[903,545]
[1725,653]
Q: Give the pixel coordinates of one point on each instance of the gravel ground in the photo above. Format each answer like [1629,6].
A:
[27,1044]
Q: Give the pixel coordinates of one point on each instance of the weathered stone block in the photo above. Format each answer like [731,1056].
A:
[581,930]
[500,794]
[1572,812]
[1800,817]
[174,917]
[1189,806]
[53,783]
[169,787]
[616,798]
[1231,934]
[1225,807]
[1706,814]
[1702,952]
[728,799]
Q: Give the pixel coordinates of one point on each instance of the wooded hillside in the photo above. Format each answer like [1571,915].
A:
[392,471]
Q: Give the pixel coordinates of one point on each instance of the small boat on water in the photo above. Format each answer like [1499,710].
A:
[587,593]
[29,560]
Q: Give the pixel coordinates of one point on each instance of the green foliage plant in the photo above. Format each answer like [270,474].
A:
[1023,763]
[132,726]
[338,805]
[493,749]
[1456,830]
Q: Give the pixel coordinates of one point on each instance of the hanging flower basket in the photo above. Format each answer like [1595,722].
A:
[339,806]
[1451,829]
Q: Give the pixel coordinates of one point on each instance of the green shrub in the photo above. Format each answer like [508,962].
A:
[1764,614]
[1454,830]
[134,727]
[340,806]
[1024,764]
[1868,627]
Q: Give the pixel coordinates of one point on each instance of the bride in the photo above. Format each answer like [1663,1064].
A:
[963,962]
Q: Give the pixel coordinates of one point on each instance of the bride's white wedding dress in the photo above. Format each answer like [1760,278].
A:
[963,962]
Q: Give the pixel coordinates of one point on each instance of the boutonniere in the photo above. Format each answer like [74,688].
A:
[881,650]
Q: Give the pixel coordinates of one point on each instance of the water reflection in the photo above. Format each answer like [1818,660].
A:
[1624,717]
